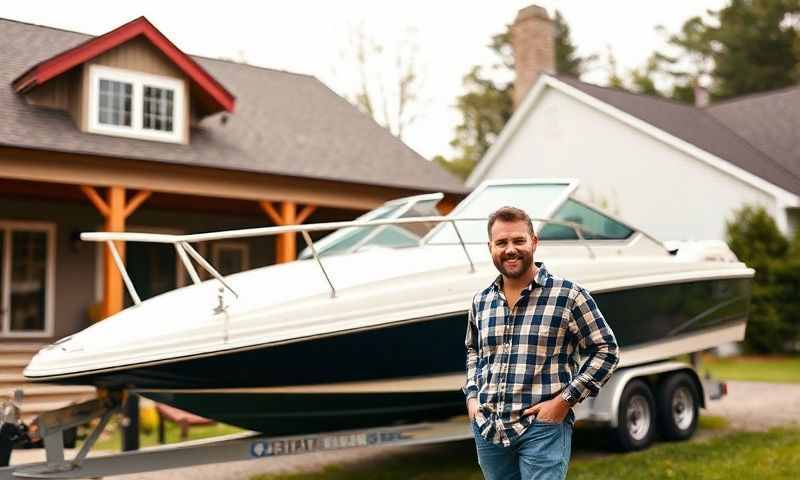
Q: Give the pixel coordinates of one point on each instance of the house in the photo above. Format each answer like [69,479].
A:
[124,131]
[676,171]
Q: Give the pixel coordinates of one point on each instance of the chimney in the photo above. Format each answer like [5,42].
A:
[533,42]
[701,96]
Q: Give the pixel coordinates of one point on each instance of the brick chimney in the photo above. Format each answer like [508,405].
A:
[533,42]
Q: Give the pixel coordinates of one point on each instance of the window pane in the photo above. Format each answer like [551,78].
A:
[393,237]
[595,225]
[535,199]
[28,278]
[159,107]
[345,239]
[114,106]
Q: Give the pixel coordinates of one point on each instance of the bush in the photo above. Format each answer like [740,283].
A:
[774,324]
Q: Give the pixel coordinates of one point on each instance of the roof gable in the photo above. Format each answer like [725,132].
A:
[217,98]
[286,124]
[686,127]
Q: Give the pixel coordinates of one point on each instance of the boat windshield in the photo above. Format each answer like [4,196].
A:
[594,225]
[538,199]
[352,239]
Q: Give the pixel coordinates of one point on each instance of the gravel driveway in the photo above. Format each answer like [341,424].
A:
[748,406]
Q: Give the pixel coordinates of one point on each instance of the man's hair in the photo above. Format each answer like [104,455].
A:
[509,214]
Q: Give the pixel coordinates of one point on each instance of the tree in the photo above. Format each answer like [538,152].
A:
[748,46]
[614,78]
[775,314]
[486,104]
[389,83]
[568,62]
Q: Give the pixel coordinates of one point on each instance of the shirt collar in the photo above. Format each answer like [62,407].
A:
[540,278]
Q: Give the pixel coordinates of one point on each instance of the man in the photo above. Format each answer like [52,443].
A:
[522,375]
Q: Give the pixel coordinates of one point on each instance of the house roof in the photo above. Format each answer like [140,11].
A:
[285,124]
[770,121]
[220,98]
[696,126]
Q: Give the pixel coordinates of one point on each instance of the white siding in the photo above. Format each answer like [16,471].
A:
[648,183]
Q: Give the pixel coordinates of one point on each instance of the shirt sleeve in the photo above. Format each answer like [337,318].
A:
[470,388]
[596,344]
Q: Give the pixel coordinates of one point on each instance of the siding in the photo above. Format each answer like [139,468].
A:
[652,185]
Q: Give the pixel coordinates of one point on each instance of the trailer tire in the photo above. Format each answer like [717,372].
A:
[678,407]
[636,418]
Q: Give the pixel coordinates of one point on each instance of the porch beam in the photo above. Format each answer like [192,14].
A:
[136,201]
[271,212]
[115,222]
[96,200]
[286,243]
[115,209]
[305,213]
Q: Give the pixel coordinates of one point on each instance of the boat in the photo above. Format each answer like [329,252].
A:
[367,330]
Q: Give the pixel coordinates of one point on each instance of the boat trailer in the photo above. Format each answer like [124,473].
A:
[49,428]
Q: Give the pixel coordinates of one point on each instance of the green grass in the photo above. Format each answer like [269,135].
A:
[111,439]
[742,455]
[778,369]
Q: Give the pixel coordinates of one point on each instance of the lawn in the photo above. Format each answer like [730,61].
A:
[111,439]
[741,455]
[780,369]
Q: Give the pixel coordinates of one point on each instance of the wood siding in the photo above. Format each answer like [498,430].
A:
[62,93]
[138,55]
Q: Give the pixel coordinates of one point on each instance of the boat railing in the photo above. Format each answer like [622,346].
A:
[186,252]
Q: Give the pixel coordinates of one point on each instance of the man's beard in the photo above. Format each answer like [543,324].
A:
[524,262]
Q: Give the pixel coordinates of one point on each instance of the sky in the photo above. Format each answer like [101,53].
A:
[316,38]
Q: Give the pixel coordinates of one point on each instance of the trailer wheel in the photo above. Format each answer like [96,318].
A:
[678,407]
[636,418]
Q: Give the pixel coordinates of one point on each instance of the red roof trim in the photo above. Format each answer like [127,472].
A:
[48,69]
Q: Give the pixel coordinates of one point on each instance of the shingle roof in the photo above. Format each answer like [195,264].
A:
[698,127]
[285,124]
[770,121]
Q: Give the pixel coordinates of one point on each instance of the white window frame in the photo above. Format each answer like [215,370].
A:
[138,80]
[243,247]
[8,227]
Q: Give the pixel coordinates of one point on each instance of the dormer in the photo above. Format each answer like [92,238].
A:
[130,82]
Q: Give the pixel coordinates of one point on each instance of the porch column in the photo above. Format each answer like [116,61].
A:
[446,205]
[286,246]
[116,210]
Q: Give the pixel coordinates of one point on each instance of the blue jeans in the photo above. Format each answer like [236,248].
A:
[541,453]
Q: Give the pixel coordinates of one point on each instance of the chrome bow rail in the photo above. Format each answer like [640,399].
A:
[185,250]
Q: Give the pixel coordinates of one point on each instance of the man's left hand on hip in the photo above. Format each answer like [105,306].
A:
[551,411]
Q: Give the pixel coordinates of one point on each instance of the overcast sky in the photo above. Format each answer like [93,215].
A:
[314,37]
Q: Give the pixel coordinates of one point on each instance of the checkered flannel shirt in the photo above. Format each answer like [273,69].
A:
[518,358]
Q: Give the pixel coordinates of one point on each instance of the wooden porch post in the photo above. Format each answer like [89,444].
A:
[116,211]
[286,247]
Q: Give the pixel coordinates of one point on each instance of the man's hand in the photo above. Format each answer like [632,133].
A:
[472,407]
[550,411]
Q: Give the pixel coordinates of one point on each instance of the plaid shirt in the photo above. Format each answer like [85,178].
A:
[518,358]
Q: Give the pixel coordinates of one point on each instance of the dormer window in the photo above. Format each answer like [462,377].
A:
[134,104]
[115,103]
